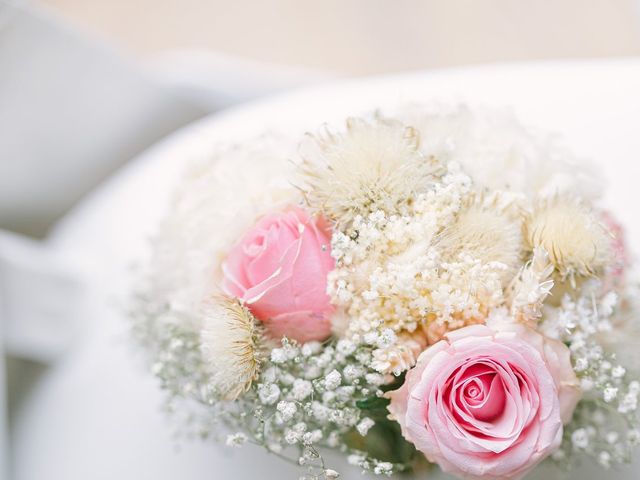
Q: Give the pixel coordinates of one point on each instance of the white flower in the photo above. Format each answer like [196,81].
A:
[577,243]
[320,411]
[331,474]
[532,286]
[580,438]
[629,403]
[291,437]
[487,233]
[236,439]
[633,437]
[309,438]
[618,371]
[383,468]
[369,167]
[232,346]
[609,394]
[287,410]
[604,459]
[332,380]
[268,393]
[586,384]
[278,355]
[355,459]
[374,379]
[310,348]
[301,389]
[499,152]
[581,364]
[364,426]
[346,347]
[387,338]
[371,338]
[352,372]
[401,353]
[612,437]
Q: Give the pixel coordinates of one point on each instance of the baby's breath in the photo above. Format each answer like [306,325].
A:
[606,420]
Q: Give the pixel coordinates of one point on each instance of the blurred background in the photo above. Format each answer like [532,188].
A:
[86,85]
[358,37]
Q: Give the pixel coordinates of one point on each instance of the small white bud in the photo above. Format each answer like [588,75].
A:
[332,380]
[609,394]
[236,439]
[364,426]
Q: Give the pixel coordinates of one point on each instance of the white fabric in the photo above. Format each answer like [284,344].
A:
[71,111]
[96,413]
[217,80]
[41,325]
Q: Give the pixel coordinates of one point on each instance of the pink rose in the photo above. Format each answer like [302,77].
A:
[279,269]
[488,404]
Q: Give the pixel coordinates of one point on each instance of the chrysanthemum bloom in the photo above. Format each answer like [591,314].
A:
[279,270]
[488,404]
[232,346]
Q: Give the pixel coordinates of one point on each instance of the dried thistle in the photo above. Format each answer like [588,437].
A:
[232,343]
[578,244]
[370,166]
[485,231]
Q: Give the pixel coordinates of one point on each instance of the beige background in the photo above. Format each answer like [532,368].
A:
[367,36]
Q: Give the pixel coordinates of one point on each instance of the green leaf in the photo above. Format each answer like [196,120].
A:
[373,403]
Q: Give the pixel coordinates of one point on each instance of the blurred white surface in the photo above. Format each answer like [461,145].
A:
[369,36]
[43,293]
[215,80]
[95,414]
[72,111]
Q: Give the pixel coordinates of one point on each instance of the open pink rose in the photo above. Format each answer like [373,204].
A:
[279,269]
[488,404]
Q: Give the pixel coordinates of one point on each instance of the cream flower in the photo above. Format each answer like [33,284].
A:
[577,243]
[232,346]
[370,166]
[531,288]
[401,355]
[487,233]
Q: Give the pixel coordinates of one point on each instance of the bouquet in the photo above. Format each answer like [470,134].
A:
[435,285]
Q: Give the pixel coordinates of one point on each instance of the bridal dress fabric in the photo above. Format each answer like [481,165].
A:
[96,413]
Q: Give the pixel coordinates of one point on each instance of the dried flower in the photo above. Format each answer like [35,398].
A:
[487,233]
[577,243]
[371,166]
[401,355]
[232,346]
[532,286]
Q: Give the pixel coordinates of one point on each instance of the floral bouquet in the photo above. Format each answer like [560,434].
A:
[435,286]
